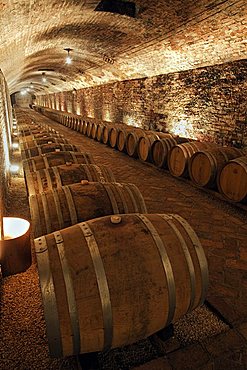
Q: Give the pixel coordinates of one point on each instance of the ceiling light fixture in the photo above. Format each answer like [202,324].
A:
[31,85]
[44,79]
[68,59]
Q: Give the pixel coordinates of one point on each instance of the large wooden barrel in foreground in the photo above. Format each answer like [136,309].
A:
[232,181]
[43,141]
[47,148]
[145,143]
[179,156]
[160,149]
[68,205]
[55,177]
[114,280]
[56,159]
[205,166]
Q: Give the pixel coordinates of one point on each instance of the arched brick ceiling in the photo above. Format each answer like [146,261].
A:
[165,36]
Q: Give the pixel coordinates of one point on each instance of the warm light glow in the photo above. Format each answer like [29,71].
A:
[130,121]
[14,168]
[43,77]
[68,60]
[6,149]
[15,146]
[13,227]
[183,128]
[23,92]
[107,116]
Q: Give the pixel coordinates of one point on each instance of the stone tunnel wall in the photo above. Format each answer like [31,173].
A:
[206,103]
[5,141]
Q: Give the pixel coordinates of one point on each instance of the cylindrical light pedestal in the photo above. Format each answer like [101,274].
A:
[15,247]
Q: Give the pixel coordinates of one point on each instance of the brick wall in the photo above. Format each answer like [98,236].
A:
[205,103]
[5,141]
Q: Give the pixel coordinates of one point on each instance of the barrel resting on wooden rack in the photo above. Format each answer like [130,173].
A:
[92,273]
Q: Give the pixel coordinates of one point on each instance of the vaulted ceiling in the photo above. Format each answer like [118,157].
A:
[164,36]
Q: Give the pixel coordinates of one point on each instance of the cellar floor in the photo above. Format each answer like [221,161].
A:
[212,337]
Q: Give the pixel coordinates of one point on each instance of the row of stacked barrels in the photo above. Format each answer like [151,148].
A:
[110,273]
[208,165]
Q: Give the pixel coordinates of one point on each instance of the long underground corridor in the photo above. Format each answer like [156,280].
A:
[123,185]
[208,336]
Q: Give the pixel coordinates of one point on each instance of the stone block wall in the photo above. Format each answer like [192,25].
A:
[207,103]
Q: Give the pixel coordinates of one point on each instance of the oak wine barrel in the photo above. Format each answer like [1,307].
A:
[105,133]
[113,134]
[179,155]
[160,149]
[55,177]
[37,131]
[78,125]
[42,141]
[94,130]
[84,128]
[89,129]
[114,280]
[132,139]
[99,132]
[26,128]
[121,138]
[42,135]
[56,159]
[205,166]
[68,205]
[145,143]
[232,181]
[47,148]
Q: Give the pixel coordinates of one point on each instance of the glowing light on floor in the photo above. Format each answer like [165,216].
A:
[13,227]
